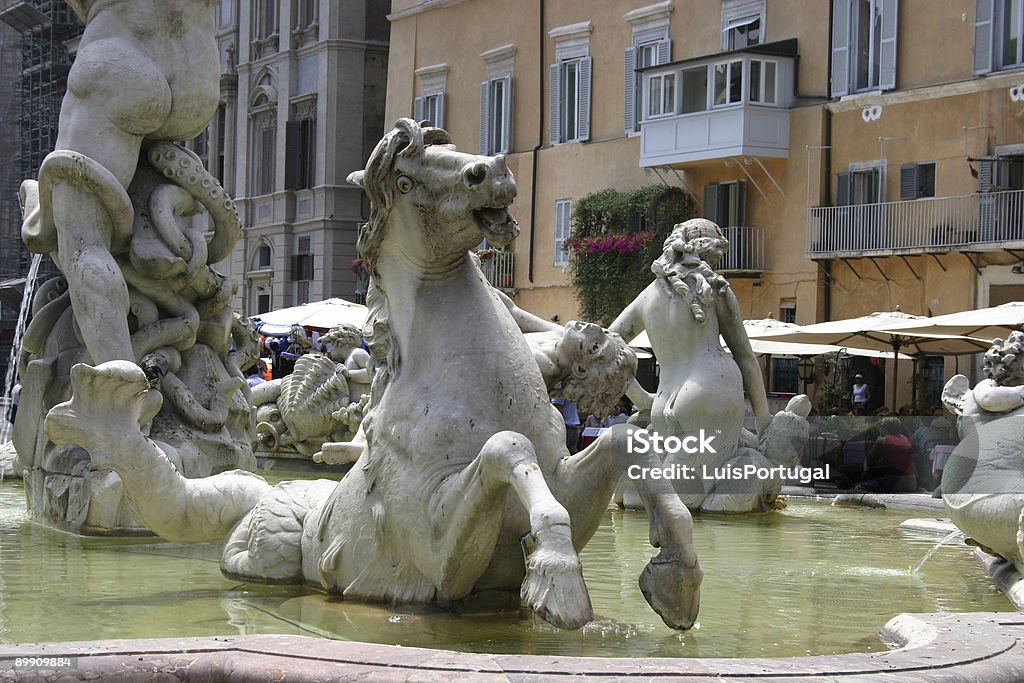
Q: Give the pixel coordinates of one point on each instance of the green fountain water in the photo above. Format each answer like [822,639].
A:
[809,580]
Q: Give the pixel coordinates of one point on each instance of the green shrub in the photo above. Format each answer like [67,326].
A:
[616,235]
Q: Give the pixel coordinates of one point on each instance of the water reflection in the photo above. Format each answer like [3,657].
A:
[810,580]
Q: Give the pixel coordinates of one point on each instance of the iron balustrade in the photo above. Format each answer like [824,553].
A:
[746,250]
[940,224]
[498,267]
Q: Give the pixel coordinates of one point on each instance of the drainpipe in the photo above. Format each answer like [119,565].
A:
[540,139]
[826,266]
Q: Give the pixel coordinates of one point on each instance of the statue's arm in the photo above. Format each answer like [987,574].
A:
[527,322]
[730,324]
[631,321]
[358,365]
[998,399]
[628,325]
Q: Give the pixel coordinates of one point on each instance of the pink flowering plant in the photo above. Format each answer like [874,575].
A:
[616,236]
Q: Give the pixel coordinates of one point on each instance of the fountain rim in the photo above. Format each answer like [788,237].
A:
[969,645]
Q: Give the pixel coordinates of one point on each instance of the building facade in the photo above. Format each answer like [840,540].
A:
[37,44]
[859,154]
[302,103]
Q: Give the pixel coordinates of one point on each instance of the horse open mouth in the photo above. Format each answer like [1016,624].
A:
[496,224]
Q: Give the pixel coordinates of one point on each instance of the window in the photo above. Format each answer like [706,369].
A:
[496,100]
[264,135]
[262,258]
[1000,173]
[649,46]
[264,157]
[762,81]
[305,13]
[785,375]
[300,147]
[695,89]
[638,57]
[225,12]
[661,95]
[262,301]
[726,203]
[265,16]
[201,146]
[1009,18]
[787,311]
[742,22]
[563,228]
[728,82]
[430,105]
[430,108]
[863,45]
[495,115]
[302,269]
[917,180]
[743,32]
[222,134]
[998,34]
[569,104]
[859,186]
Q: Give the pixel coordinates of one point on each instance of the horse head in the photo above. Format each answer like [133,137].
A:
[444,200]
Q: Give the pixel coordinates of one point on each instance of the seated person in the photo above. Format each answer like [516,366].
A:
[889,466]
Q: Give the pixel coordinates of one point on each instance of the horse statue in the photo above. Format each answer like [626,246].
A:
[465,489]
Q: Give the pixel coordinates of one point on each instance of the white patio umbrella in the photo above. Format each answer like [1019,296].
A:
[983,323]
[323,314]
[769,347]
[871,332]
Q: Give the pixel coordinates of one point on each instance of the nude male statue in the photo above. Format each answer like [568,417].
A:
[145,71]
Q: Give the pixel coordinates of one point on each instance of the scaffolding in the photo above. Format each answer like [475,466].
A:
[36,37]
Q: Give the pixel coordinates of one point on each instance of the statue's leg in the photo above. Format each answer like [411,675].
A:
[469,514]
[671,580]
[108,405]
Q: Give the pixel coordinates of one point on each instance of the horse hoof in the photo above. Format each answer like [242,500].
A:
[672,589]
[555,591]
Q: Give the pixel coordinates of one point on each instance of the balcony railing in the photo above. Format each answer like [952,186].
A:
[498,267]
[746,251]
[985,221]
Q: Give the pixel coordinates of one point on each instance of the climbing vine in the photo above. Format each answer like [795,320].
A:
[616,235]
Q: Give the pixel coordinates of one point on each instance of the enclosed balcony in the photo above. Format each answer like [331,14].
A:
[985,221]
[725,105]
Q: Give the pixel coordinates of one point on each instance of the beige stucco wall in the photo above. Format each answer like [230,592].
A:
[961,119]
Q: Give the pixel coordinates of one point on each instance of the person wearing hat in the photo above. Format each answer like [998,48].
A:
[860,393]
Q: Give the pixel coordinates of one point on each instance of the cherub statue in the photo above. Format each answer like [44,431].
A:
[701,386]
[983,480]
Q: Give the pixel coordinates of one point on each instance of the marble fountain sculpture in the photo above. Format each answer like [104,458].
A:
[113,206]
[983,480]
[322,400]
[464,490]
[701,386]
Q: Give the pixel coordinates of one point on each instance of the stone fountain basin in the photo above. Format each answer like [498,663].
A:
[932,647]
[166,591]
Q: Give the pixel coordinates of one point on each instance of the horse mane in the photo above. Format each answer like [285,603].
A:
[407,139]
